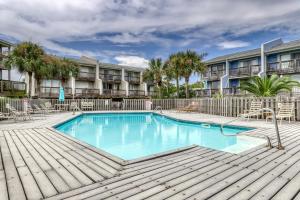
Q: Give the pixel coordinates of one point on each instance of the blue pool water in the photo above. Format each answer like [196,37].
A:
[134,135]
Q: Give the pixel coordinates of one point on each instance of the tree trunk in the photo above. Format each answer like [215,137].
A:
[168,84]
[63,83]
[29,84]
[187,95]
[159,90]
[38,86]
[177,86]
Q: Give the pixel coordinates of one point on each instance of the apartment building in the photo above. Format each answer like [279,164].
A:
[118,80]
[95,80]
[225,73]
[98,80]
[10,80]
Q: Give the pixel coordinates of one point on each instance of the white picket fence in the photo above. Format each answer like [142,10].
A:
[229,106]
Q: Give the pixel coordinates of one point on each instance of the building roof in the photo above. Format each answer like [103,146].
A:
[285,46]
[91,62]
[255,52]
[233,56]
[86,61]
[117,66]
[4,43]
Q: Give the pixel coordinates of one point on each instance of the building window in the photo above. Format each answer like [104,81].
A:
[285,58]
[50,83]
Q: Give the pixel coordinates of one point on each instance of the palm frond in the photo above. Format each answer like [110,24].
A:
[269,86]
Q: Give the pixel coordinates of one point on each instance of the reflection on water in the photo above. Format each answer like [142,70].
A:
[135,135]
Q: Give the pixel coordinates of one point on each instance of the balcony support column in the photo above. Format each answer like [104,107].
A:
[124,84]
[262,61]
[123,75]
[264,47]
[97,71]
[224,79]
[99,86]
[141,77]
[73,86]
[145,88]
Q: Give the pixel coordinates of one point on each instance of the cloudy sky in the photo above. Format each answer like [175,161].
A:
[133,31]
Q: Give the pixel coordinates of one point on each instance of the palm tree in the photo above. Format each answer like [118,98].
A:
[155,73]
[43,71]
[66,69]
[269,86]
[190,62]
[26,57]
[173,70]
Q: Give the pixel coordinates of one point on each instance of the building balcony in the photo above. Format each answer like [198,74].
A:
[251,70]
[234,91]
[284,67]
[7,86]
[136,93]
[214,75]
[206,92]
[53,92]
[86,92]
[2,56]
[111,78]
[133,79]
[114,93]
[86,76]
[149,82]
[152,93]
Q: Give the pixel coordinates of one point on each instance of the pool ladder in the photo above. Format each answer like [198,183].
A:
[279,145]
[158,108]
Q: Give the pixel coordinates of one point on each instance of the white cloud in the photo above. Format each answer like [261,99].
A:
[137,21]
[134,61]
[233,44]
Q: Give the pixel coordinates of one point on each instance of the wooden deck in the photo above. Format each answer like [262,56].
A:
[39,163]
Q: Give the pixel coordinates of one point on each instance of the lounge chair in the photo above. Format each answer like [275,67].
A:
[193,107]
[50,108]
[16,115]
[34,111]
[5,116]
[254,110]
[40,109]
[87,105]
[285,111]
[43,107]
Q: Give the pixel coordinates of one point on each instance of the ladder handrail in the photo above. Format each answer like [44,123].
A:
[279,146]
[75,107]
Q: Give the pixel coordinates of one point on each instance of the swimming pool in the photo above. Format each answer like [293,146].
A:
[135,135]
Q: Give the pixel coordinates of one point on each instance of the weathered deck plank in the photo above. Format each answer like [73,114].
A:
[69,173]
[64,154]
[33,167]
[3,188]
[40,177]
[13,182]
[30,186]
[41,163]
